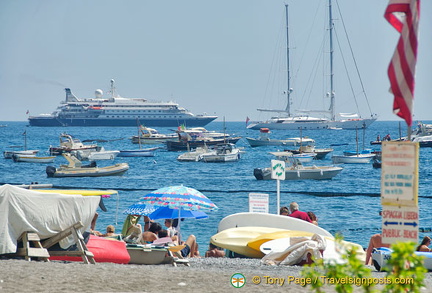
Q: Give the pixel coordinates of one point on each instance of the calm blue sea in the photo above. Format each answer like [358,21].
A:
[352,208]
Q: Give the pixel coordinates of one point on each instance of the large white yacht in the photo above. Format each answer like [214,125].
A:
[118,111]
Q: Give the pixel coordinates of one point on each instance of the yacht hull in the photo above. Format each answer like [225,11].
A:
[112,122]
[297,125]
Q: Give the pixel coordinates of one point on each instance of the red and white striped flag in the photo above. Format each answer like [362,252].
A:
[404,16]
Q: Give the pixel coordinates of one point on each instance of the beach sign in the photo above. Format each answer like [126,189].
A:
[278,169]
[278,173]
[400,224]
[399,192]
[399,173]
[258,203]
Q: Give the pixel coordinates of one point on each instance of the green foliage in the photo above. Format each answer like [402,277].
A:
[405,269]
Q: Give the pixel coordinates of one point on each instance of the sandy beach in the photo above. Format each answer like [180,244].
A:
[203,275]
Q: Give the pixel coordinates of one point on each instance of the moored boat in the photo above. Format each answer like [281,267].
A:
[328,120]
[68,144]
[76,169]
[33,159]
[299,172]
[101,154]
[147,135]
[147,152]
[118,111]
[320,153]
[222,153]
[194,155]
[354,159]
[9,154]
[182,145]
[265,140]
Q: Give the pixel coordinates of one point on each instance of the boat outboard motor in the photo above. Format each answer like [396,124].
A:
[259,174]
[50,170]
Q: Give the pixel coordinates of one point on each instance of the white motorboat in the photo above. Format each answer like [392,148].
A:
[291,157]
[265,140]
[148,152]
[329,120]
[147,135]
[226,152]
[194,155]
[296,171]
[354,159]
[68,144]
[101,154]
[32,159]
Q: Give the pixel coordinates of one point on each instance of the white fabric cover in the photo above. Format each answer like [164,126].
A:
[23,210]
[297,251]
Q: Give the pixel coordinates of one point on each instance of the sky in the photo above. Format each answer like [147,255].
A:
[210,57]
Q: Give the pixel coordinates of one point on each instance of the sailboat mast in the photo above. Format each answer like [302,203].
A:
[288,91]
[332,95]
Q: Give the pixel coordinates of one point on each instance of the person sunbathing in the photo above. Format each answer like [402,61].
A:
[191,246]
[374,242]
[214,251]
[424,245]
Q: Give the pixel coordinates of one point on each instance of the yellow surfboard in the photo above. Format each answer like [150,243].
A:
[236,239]
[83,192]
[258,241]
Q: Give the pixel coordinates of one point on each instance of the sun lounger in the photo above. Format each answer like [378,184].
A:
[82,251]
[174,251]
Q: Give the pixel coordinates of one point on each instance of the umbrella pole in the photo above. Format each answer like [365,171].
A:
[179,220]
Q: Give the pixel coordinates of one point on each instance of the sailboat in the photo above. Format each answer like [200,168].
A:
[286,119]
[147,152]
[358,157]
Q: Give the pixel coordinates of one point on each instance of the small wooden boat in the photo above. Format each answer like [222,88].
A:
[76,169]
[9,154]
[32,159]
[146,254]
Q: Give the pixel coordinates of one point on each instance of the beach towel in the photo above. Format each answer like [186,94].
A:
[298,251]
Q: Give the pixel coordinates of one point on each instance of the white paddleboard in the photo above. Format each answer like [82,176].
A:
[269,220]
[236,239]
